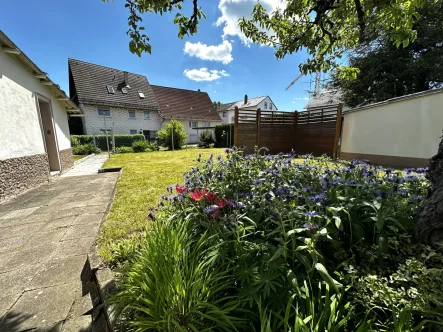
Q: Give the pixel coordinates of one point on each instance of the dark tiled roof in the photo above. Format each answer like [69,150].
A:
[225,107]
[90,82]
[184,104]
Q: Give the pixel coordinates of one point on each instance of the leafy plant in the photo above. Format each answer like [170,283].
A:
[124,149]
[174,284]
[140,146]
[85,149]
[173,136]
[206,139]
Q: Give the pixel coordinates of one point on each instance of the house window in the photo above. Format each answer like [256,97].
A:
[147,114]
[207,124]
[106,113]
[232,119]
[225,114]
[192,124]
[270,106]
[131,114]
[103,131]
[110,89]
[266,105]
[133,131]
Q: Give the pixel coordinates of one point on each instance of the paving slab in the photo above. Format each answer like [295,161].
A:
[87,167]
[45,235]
[39,308]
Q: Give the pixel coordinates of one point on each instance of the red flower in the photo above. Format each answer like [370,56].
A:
[211,196]
[197,195]
[180,189]
[221,203]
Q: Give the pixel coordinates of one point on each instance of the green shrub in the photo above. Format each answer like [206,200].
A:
[140,146]
[224,136]
[120,140]
[165,135]
[176,274]
[153,146]
[206,139]
[124,149]
[85,149]
[305,246]
[74,141]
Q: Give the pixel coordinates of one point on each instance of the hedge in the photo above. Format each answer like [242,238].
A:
[221,141]
[100,140]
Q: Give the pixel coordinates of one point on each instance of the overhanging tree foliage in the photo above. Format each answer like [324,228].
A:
[387,71]
[324,28]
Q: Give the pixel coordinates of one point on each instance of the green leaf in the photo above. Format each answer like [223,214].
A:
[335,285]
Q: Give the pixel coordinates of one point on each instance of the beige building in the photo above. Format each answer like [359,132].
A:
[400,132]
[34,132]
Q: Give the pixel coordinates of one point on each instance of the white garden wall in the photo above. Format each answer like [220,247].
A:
[403,132]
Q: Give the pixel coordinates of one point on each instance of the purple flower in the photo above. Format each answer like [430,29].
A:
[219,157]
[240,205]
[311,214]
[210,209]
[307,188]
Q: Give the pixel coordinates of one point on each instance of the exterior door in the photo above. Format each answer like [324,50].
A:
[47,124]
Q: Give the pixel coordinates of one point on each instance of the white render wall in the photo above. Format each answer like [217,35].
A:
[406,128]
[93,123]
[20,131]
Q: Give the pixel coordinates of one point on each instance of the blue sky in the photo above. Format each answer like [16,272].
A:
[51,31]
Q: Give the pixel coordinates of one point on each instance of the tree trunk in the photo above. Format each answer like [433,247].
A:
[430,221]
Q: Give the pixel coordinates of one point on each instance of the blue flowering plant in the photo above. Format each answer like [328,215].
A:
[311,243]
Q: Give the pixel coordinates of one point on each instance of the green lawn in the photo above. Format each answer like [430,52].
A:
[78,156]
[144,179]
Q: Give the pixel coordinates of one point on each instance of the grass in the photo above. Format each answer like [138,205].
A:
[78,156]
[144,179]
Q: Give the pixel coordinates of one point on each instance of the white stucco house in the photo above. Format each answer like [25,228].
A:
[34,132]
[128,104]
[227,111]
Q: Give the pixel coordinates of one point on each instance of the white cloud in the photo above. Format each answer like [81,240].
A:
[299,98]
[203,74]
[220,52]
[233,10]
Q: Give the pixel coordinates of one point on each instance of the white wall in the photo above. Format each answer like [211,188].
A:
[229,118]
[406,128]
[119,116]
[20,133]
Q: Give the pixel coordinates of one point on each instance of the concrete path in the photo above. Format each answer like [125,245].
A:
[45,235]
[88,167]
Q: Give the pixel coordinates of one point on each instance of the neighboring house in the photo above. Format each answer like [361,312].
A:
[326,99]
[194,109]
[227,111]
[34,132]
[113,99]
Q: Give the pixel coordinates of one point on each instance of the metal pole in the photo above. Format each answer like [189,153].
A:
[113,138]
[107,140]
[172,134]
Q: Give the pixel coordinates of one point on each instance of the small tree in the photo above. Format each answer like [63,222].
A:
[206,139]
[173,136]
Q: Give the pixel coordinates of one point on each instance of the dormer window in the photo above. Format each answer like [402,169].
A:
[141,94]
[110,89]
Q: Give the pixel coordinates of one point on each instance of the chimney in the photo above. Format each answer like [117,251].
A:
[126,77]
[198,90]
[246,99]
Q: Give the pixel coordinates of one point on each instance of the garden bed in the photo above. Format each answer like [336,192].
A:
[263,243]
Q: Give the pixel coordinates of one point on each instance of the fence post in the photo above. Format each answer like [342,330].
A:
[236,127]
[337,130]
[294,138]
[257,130]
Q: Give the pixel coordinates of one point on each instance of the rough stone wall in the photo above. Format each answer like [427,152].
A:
[20,174]
[66,159]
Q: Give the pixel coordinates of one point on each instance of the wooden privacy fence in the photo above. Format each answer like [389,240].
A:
[315,131]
